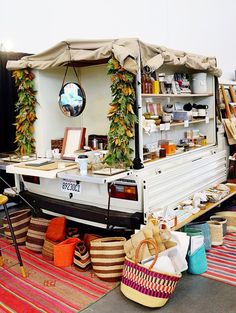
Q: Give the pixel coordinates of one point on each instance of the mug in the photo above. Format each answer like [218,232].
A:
[166,117]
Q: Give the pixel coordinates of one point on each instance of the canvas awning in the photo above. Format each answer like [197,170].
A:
[126,51]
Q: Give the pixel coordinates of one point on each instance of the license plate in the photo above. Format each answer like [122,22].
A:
[70,186]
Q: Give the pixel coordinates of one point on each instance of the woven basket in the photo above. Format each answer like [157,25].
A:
[216,230]
[222,220]
[146,285]
[82,261]
[231,219]
[48,249]
[36,234]
[107,256]
[20,222]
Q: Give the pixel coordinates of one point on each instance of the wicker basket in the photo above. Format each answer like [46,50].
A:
[107,256]
[222,220]
[231,219]
[20,222]
[216,230]
[36,234]
[147,286]
[48,249]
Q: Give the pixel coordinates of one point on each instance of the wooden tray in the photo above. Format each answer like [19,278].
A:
[47,167]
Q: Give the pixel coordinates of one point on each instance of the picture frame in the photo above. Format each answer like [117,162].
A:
[74,139]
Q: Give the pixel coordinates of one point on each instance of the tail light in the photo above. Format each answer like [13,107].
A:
[31,179]
[120,191]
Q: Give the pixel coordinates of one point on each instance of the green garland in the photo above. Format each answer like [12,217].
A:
[26,111]
[121,115]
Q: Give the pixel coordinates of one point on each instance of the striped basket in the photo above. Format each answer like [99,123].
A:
[20,222]
[146,285]
[107,256]
[82,261]
[36,234]
[48,249]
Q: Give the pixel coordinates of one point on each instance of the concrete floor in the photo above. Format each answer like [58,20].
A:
[193,294]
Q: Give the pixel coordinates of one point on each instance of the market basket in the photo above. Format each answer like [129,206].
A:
[36,234]
[216,229]
[107,256]
[147,286]
[231,219]
[20,222]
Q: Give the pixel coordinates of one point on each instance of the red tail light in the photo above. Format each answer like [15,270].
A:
[127,192]
[31,179]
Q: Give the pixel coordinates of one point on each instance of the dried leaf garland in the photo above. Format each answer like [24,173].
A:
[121,115]
[26,111]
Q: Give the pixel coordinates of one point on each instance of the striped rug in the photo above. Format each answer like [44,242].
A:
[222,261]
[47,288]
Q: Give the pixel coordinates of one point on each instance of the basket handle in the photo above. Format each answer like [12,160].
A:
[150,241]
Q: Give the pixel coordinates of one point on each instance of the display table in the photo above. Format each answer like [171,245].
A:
[209,206]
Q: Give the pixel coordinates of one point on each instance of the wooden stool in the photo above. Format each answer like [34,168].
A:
[3,201]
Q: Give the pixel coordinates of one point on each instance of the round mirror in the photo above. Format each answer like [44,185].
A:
[72,99]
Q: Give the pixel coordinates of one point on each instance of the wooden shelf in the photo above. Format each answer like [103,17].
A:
[188,95]
[174,124]
[209,207]
[195,121]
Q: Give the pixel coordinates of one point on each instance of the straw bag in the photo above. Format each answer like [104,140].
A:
[107,256]
[216,229]
[231,219]
[48,249]
[222,220]
[36,234]
[20,223]
[145,285]
[82,261]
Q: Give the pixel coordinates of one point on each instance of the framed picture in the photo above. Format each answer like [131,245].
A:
[74,139]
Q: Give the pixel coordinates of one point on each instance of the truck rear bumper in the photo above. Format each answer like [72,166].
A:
[88,214]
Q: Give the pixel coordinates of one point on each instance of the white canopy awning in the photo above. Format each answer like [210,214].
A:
[126,51]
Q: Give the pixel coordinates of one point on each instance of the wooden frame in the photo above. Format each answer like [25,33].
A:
[74,139]
[226,99]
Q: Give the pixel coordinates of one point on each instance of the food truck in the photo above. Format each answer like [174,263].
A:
[177,147]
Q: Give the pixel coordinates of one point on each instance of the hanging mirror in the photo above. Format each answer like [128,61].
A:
[72,97]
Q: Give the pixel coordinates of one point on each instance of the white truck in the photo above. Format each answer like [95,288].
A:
[123,199]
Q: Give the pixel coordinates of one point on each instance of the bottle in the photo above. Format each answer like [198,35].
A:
[162,83]
[143,83]
[148,84]
[204,141]
[155,87]
[94,144]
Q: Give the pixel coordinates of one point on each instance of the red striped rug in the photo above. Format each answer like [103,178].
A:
[47,288]
[222,261]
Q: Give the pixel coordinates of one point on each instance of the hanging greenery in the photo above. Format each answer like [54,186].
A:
[121,115]
[24,80]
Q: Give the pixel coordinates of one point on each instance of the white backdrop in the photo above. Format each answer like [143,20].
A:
[201,26]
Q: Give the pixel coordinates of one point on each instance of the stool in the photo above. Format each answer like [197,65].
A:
[3,201]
